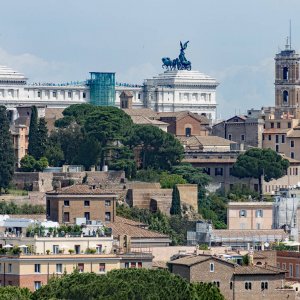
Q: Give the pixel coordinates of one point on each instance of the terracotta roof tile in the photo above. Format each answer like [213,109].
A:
[132,228]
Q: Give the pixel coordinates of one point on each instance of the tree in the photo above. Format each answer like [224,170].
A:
[7,158]
[175,206]
[168,181]
[126,284]
[14,293]
[30,164]
[42,140]
[33,136]
[157,149]
[88,153]
[109,126]
[260,163]
[55,155]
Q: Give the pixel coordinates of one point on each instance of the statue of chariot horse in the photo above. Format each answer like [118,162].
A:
[180,63]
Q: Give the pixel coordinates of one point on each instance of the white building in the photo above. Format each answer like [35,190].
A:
[167,92]
[181,90]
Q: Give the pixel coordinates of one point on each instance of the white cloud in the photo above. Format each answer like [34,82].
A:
[34,67]
[245,86]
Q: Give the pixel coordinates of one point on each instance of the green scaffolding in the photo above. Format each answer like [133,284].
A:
[102,89]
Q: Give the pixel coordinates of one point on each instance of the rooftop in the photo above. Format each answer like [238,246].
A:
[134,229]
[80,189]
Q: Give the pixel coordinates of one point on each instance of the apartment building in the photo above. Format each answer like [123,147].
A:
[234,281]
[33,271]
[289,261]
[81,201]
[250,215]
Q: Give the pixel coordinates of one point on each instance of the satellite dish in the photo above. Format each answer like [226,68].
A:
[266,244]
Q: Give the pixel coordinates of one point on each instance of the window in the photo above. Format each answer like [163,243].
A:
[292,144]
[107,203]
[270,137]
[102,267]
[37,285]
[55,249]
[285,97]
[297,275]
[66,203]
[264,285]
[107,216]
[242,137]
[277,148]
[278,124]
[218,171]
[139,264]
[54,94]
[231,285]
[86,203]
[292,155]
[87,215]
[99,249]
[259,213]
[272,125]
[69,94]
[39,94]
[258,226]
[188,131]
[132,264]
[66,217]
[217,283]
[80,267]
[285,73]
[84,95]
[248,285]
[229,137]
[58,268]
[289,125]
[291,271]
[0,267]
[207,170]
[139,96]
[283,139]
[243,213]
[126,265]
[284,266]
[212,267]
[277,138]
[9,268]
[37,268]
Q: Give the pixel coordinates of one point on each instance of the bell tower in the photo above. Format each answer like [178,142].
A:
[287,83]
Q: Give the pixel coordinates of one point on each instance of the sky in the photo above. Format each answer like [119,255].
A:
[234,41]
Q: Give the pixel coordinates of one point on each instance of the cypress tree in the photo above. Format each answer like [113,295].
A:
[33,147]
[42,138]
[175,206]
[7,157]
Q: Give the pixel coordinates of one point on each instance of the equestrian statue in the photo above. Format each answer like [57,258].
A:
[180,63]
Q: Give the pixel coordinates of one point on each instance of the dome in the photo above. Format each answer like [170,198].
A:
[8,74]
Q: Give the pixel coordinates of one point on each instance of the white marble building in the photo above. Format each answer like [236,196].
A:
[181,90]
[167,92]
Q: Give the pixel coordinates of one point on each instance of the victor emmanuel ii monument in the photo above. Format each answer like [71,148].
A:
[178,88]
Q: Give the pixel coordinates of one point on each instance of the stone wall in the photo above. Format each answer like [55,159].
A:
[151,196]
[34,181]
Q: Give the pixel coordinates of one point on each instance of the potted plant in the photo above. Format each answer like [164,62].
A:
[71,251]
[48,251]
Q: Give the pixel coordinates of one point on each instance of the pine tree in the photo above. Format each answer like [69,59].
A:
[7,158]
[175,206]
[33,147]
[42,139]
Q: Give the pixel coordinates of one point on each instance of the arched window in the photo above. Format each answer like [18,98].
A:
[285,97]
[285,73]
